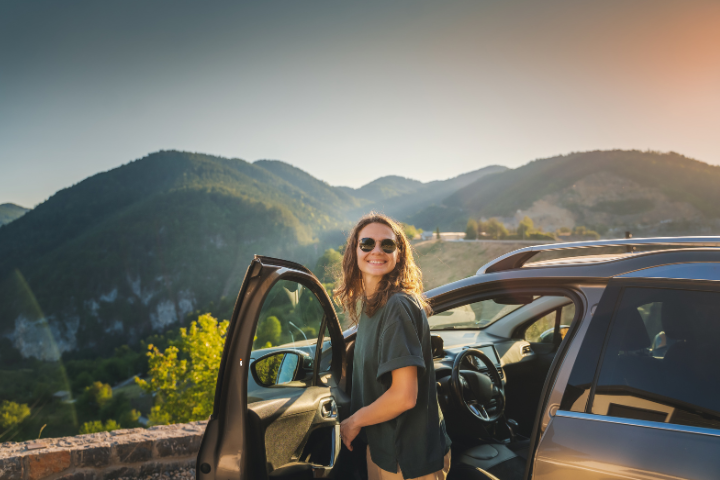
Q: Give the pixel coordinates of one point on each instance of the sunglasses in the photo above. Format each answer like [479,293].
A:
[368,245]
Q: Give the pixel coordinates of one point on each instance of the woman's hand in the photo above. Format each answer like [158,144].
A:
[348,431]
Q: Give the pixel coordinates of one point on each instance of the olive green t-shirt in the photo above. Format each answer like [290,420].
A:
[398,336]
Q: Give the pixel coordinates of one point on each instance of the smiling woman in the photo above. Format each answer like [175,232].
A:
[396,416]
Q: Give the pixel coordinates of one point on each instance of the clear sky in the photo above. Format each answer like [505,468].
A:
[350,91]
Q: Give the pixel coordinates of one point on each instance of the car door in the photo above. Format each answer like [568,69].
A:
[643,395]
[278,399]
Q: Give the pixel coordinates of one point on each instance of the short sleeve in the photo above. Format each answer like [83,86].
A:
[399,342]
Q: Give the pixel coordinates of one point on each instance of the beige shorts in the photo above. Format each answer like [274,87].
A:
[377,473]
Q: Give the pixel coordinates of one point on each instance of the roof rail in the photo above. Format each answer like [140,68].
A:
[518,258]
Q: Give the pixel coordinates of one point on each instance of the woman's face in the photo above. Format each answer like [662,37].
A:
[376,263]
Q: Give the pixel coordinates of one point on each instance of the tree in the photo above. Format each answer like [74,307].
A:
[99,393]
[471,230]
[328,265]
[437,233]
[525,227]
[268,333]
[410,231]
[12,414]
[496,229]
[183,377]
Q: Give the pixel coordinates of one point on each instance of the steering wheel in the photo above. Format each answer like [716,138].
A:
[475,390]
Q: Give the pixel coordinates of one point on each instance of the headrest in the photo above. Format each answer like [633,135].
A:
[635,335]
[676,319]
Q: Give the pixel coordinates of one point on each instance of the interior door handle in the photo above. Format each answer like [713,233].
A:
[328,409]
[323,471]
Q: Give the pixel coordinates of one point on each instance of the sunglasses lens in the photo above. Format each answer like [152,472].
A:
[367,244]
[388,246]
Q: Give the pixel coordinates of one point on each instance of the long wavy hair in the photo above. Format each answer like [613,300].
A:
[405,277]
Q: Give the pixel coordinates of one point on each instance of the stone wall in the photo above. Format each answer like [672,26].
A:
[112,455]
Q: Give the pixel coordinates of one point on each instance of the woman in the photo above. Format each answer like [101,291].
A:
[394,399]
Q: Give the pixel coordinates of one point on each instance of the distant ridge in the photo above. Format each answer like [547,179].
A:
[10,212]
[647,192]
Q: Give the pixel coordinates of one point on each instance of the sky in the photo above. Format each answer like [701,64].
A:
[350,91]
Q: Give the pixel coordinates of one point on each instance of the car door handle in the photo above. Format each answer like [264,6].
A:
[328,409]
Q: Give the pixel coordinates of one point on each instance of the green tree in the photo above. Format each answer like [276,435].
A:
[12,414]
[410,230]
[495,229]
[525,227]
[97,426]
[183,377]
[98,393]
[268,333]
[328,266]
[471,230]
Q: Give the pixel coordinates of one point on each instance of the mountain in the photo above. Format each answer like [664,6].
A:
[141,248]
[10,212]
[645,192]
[133,250]
[401,197]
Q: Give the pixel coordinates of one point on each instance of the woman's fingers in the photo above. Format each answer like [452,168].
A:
[347,435]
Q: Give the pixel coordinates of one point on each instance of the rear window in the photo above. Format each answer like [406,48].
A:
[661,359]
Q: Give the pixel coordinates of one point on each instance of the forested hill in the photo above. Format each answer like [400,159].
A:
[10,212]
[645,192]
[134,249]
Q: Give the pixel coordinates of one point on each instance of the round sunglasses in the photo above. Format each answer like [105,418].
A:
[368,244]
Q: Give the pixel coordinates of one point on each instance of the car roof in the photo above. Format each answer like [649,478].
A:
[680,250]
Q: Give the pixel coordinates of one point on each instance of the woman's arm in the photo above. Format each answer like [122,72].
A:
[400,397]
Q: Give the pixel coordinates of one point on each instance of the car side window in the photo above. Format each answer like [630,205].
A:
[660,362]
[290,319]
[542,330]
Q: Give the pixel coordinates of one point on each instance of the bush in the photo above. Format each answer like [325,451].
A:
[183,377]
[97,426]
[12,414]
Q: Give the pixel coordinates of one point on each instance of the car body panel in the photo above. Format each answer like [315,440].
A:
[593,447]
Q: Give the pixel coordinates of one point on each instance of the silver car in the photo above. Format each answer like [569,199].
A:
[587,360]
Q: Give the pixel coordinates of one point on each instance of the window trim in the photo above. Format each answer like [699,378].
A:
[674,427]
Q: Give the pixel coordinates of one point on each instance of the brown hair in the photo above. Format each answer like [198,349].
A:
[405,277]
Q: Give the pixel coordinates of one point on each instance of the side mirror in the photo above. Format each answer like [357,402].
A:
[280,367]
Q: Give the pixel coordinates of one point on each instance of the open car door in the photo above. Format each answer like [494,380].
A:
[279,396]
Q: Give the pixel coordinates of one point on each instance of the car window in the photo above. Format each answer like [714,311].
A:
[291,318]
[660,363]
[474,315]
[542,330]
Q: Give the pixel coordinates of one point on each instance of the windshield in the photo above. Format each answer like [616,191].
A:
[473,316]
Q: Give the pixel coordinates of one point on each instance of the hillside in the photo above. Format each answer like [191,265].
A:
[133,250]
[10,212]
[444,262]
[141,248]
[646,192]
[401,197]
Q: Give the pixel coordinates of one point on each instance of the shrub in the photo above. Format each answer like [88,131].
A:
[183,377]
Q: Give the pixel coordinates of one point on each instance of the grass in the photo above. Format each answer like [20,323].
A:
[444,262]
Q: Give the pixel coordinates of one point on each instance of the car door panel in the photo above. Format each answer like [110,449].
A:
[593,447]
[291,431]
[269,437]
[582,435]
